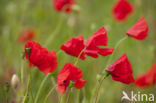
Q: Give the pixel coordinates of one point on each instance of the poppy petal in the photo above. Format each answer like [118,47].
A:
[121,70]
[80,84]
[139,31]
[105,51]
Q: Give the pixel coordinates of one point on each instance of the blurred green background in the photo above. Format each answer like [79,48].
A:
[16,15]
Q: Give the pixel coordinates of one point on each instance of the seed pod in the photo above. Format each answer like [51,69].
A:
[14,81]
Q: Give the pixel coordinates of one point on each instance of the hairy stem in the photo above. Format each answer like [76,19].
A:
[22,70]
[27,90]
[116,46]
[108,63]
[98,89]
[41,86]
[46,98]
[77,59]
[56,31]
[68,95]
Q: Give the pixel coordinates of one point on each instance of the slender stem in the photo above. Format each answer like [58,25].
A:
[60,99]
[98,89]
[53,80]
[68,95]
[58,52]
[109,60]
[46,98]
[31,87]
[116,46]
[40,88]
[79,56]
[27,89]
[22,70]
[53,34]
[78,96]
[84,95]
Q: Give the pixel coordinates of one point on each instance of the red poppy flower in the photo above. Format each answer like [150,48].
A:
[74,46]
[99,38]
[121,70]
[67,74]
[26,35]
[122,9]
[66,5]
[139,31]
[40,57]
[147,79]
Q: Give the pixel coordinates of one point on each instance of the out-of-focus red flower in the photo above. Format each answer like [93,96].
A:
[74,46]
[122,9]
[121,70]
[66,5]
[99,38]
[139,30]
[40,57]
[147,79]
[68,74]
[26,35]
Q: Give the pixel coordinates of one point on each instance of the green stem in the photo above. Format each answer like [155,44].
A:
[116,46]
[53,34]
[58,52]
[98,89]
[60,99]
[77,59]
[108,63]
[31,87]
[41,86]
[84,95]
[22,70]
[46,98]
[53,80]
[68,95]
[78,96]
[27,89]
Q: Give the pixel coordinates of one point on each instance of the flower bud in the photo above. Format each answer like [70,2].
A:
[28,50]
[14,81]
[26,99]
[108,27]
[76,8]
[22,55]
[93,26]
[100,75]
[7,87]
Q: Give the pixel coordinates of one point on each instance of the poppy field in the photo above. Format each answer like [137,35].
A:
[77,51]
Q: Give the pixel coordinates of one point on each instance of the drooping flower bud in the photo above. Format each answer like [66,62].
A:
[100,75]
[7,87]
[14,81]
